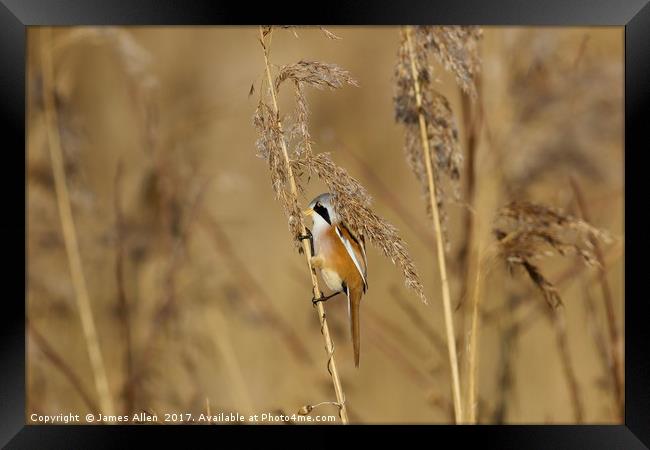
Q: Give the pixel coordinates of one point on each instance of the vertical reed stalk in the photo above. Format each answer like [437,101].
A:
[122,301]
[472,367]
[559,323]
[616,363]
[446,297]
[472,120]
[69,231]
[329,346]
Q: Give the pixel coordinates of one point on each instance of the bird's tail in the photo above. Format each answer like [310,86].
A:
[354,299]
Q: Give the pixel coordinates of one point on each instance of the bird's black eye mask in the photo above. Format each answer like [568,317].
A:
[322,211]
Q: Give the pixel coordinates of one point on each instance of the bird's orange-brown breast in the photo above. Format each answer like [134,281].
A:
[336,258]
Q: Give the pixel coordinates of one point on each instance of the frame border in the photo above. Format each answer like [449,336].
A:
[17,15]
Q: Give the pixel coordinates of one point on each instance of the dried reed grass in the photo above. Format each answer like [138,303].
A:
[509,345]
[456,48]
[430,127]
[69,231]
[135,63]
[473,352]
[124,308]
[526,232]
[166,306]
[470,253]
[614,352]
[472,113]
[543,86]
[562,342]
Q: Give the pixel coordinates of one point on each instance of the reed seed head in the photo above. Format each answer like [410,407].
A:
[456,48]
[526,232]
[351,199]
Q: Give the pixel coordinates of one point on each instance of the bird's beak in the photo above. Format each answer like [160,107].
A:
[308,212]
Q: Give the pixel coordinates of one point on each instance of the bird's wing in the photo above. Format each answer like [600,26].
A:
[361,243]
[365,261]
[348,244]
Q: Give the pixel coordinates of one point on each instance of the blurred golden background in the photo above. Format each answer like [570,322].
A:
[197,293]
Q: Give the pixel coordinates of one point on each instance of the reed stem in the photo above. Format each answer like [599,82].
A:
[122,301]
[616,359]
[446,297]
[472,369]
[559,323]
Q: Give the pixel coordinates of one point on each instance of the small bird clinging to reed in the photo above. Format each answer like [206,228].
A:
[341,258]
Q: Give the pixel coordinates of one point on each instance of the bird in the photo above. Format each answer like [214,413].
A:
[340,256]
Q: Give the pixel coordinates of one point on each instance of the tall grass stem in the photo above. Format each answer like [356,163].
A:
[446,297]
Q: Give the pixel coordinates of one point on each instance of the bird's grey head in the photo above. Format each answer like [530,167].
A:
[322,207]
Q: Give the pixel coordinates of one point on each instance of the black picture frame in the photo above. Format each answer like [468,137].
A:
[17,15]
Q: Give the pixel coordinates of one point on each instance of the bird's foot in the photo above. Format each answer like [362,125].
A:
[307,235]
[323,298]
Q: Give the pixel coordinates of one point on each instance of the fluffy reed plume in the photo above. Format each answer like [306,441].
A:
[70,233]
[430,127]
[456,48]
[270,148]
[352,201]
[526,232]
